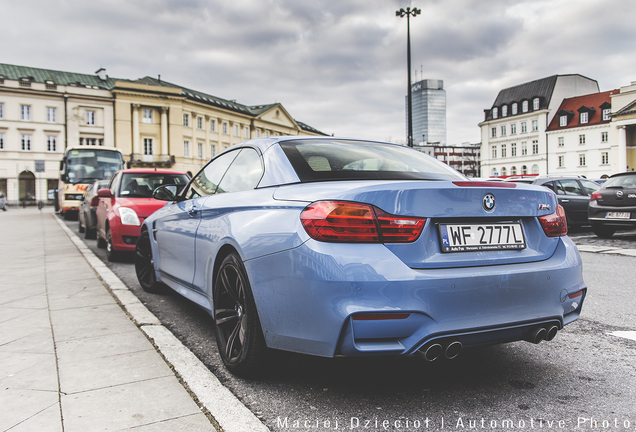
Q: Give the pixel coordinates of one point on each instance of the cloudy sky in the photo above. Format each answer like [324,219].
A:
[338,65]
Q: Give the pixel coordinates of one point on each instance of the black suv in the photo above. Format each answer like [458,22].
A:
[613,206]
[573,193]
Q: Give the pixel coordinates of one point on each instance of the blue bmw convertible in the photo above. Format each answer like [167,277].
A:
[329,246]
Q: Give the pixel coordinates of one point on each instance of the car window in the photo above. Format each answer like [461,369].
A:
[570,187]
[244,173]
[550,185]
[207,180]
[142,185]
[589,186]
[626,181]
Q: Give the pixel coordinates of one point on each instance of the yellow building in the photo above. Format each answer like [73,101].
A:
[158,124]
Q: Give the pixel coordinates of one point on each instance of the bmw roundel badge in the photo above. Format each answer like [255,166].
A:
[489,202]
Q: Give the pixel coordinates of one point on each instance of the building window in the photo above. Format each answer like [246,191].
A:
[535,125]
[91,141]
[503,171]
[212,150]
[561,161]
[524,169]
[535,147]
[583,117]
[561,141]
[563,121]
[147,146]
[604,137]
[225,128]
[246,132]
[493,132]
[513,129]
[90,118]
[212,126]
[606,114]
[504,111]
[535,169]
[236,130]
[494,152]
[25,112]
[200,150]
[1,141]
[26,142]
[503,130]
[1,110]
[582,160]
[524,127]
[513,149]
[524,106]
[495,112]
[513,170]
[258,133]
[186,119]
[51,143]
[493,172]
[605,158]
[147,116]
[200,123]
[514,108]
[581,139]
[186,148]
[535,104]
[267,133]
[503,150]
[51,114]
[524,148]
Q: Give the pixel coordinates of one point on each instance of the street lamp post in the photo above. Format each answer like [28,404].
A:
[408,12]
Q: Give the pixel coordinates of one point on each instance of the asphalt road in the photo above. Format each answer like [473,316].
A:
[585,379]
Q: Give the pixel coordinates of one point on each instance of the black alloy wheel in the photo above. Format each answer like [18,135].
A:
[111,253]
[238,331]
[144,265]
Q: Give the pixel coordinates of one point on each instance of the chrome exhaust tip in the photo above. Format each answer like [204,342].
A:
[537,335]
[432,352]
[551,333]
[453,349]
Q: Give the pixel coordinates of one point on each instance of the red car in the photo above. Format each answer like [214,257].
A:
[126,203]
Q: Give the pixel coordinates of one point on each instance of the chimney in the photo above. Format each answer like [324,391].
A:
[101,73]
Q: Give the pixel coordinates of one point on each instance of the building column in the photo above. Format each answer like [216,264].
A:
[622,148]
[164,131]
[136,149]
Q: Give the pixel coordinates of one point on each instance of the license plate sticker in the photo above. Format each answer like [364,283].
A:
[481,237]
[617,215]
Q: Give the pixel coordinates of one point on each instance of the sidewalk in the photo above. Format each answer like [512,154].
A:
[70,358]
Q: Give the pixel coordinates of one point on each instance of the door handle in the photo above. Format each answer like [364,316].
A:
[565,200]
[193,211]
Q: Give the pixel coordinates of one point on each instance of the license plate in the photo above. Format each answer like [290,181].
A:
[617,215]
[481,237]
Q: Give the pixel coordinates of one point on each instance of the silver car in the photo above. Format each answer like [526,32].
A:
[3,201]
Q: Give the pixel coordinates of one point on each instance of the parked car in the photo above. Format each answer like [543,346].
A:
[573,193]
[126,203]
[87,209]
[3,201]
[329,246]
[613,206]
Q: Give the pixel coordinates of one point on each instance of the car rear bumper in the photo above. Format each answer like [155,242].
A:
[308,297]
[598,215]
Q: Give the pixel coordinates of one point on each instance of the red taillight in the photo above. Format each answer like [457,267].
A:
[555,224]
[596,196]
[346,222]
[575,294]
[94,201]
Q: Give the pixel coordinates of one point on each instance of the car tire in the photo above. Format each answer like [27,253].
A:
[238,330]
[89,234]
[111,254]
[603,231]
[4,207]
[144,265]
[101,243]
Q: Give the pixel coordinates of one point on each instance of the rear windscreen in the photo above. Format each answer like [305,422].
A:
[316,160]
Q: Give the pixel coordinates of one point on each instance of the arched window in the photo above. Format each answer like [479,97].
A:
[514,108]
[26,186]
[535,169]
[504,110]
[513,170]
[524,170]
[493,172]
[495,112]
[503,171]
[524,106]
[535,104]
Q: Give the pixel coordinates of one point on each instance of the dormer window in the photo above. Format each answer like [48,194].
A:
[583,118]
[514,108]
[524,106]
[606,114]
[504,111]
[535,104]
[563,120]
[495,112]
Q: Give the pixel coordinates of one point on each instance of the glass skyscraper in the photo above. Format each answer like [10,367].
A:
[429,111]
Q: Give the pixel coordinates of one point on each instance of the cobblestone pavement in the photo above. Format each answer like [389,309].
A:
[622,242]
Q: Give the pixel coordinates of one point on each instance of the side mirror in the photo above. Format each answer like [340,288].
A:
[104,193]
[165,193]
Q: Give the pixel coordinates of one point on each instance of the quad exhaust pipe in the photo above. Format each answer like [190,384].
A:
[434,350]
[538,334]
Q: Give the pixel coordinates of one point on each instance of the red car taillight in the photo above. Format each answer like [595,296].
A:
[555,224]
[95,201]
[347,222]
[596,196]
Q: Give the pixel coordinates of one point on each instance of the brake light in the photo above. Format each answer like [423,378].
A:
[94,201]
[347,222]
[555,224]
[596,196]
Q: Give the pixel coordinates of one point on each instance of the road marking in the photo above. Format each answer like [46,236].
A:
[624,334]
